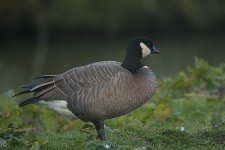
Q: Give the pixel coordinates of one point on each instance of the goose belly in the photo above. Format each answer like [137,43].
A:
[123,101]
[124,106]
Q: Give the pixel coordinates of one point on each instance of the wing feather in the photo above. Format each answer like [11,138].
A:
[87,76]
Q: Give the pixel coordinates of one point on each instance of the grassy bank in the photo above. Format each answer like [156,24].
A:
[186,112]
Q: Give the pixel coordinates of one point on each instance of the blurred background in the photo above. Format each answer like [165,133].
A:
[52,36]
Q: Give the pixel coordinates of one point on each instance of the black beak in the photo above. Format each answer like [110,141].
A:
[155,51]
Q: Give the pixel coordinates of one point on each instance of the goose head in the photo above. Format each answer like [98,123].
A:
[139,48]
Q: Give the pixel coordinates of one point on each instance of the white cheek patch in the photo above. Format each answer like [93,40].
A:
[145,50]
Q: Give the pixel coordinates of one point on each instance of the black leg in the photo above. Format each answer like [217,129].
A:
[99,126]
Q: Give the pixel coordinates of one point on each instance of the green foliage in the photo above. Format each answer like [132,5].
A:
[186,112]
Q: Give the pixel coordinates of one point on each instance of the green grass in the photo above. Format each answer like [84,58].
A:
[186,112]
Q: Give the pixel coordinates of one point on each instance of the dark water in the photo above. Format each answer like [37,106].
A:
[16,60]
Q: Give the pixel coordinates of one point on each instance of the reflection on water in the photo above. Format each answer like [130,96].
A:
[176,54]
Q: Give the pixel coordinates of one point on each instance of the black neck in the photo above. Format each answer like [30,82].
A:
[132,63]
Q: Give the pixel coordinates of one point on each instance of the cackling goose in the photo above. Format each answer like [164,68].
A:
[98,91]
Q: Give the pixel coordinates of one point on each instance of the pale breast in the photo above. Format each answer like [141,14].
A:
[131,94]
[146,81]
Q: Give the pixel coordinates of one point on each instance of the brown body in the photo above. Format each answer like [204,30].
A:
[101,90]
[107,90]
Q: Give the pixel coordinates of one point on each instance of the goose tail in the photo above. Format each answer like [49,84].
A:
[43,89]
